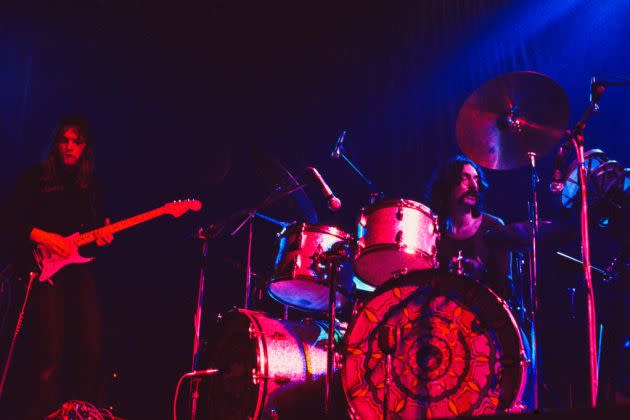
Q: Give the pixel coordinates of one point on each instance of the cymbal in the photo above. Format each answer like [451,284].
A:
[510,116]
[274,173]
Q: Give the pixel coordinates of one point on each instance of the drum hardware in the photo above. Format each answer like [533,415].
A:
[575,137]
[269,366]
[393,236]
[334,258]
[460,263]
[272,170]
[507,123]
[301,276]
[338,151]
[388,338]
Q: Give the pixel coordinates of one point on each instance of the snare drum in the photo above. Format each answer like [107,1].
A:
[300,277]
[395,237]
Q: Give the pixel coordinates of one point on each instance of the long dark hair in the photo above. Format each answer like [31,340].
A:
[444,179]
[52,164]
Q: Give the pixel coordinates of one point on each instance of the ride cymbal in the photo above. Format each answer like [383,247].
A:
[510,116]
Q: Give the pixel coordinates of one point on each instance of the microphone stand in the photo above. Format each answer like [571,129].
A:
[576,136]
[534,286]
[339,152]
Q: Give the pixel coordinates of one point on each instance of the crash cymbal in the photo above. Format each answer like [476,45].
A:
[510,116]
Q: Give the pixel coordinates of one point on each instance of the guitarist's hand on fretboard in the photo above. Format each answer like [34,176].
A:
[52,241]
[104,237]
[54,251]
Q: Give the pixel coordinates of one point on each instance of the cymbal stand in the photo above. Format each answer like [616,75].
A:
[333,258]
[576,136]
[215,231]
[534,286]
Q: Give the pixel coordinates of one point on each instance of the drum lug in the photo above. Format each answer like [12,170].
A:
[258,377]
[363,219]
[254,333]
[402,272]
[399,213]
[399,237]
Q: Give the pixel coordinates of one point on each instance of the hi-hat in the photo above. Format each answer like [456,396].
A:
[510,116]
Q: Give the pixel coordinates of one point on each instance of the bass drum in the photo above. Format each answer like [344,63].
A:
[459,351]
[269,367]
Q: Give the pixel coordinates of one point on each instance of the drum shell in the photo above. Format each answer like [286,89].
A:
[395,237]
[432,298]
[268,366]
[299,280]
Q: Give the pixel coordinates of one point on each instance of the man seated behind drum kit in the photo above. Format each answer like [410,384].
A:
[455,193]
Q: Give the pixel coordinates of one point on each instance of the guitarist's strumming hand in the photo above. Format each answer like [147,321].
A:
[104,237]
[55,242]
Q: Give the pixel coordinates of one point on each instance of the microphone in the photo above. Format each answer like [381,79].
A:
[557,184]
[336,153]
[334,203]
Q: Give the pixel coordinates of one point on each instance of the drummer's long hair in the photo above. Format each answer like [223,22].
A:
[444,179]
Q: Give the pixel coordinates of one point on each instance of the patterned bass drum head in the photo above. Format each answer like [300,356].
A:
[459,351]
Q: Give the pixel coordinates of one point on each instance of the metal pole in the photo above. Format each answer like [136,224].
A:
[534,286]
[586,258]
[194,385]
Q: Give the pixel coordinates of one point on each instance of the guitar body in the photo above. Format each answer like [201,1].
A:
[49,262]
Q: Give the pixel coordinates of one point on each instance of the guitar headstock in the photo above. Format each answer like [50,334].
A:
[179,207]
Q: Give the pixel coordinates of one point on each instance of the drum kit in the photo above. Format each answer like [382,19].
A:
[425,343]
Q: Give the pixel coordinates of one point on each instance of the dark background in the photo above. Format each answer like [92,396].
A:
[180,94]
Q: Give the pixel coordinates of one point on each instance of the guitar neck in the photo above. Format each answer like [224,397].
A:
[88,237]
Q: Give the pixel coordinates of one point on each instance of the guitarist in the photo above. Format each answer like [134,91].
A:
[57,197]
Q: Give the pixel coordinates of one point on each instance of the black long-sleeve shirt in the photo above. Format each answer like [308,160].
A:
[64,208]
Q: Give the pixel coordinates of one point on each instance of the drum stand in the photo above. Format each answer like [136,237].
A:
[215,231]
[534,288]
[333,258]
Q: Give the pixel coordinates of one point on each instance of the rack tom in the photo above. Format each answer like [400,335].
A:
[395,237]
[300,277]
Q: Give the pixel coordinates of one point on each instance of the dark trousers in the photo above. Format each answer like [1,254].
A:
[57,358]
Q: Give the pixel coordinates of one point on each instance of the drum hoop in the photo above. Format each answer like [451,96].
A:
[406,279]
[262,357]
[399,202]
[379,247]
[340,291]
[318,228]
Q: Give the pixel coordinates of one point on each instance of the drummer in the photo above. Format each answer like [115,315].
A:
[455,192]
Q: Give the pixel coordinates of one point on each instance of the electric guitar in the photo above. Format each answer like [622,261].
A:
[49,262]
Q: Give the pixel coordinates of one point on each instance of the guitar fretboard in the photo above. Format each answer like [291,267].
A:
[88,237]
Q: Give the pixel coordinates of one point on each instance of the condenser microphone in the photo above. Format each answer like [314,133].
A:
[334,203]
[336,153]
[557,184]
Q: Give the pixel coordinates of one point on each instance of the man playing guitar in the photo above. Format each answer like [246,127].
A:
[57,197]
